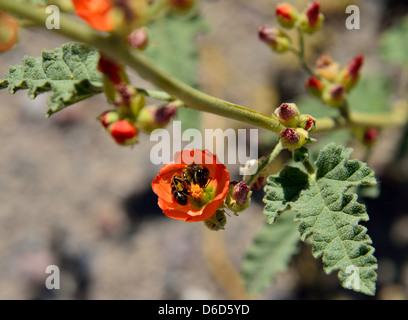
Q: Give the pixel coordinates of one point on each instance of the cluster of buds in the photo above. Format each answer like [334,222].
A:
[309,21]
[126,18]
[334,82]
[131,113]
[297,125]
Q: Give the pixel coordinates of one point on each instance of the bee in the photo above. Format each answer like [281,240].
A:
[192,174]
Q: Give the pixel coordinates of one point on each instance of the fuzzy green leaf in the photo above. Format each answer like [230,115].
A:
[329,214]
[270,253]
[70,72]
[394,44]
[175,50]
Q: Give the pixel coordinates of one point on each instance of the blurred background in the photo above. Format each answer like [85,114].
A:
[70,196]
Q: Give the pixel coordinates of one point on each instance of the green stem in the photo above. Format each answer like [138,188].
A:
[309,166]
[278,148]
[301,54]
[156,94]
[397,117]
[116,49]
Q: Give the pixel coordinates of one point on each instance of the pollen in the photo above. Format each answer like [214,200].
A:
[196,191]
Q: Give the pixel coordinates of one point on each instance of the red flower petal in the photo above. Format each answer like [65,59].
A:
[98,13]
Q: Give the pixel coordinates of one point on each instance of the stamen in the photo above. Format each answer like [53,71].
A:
[196,191]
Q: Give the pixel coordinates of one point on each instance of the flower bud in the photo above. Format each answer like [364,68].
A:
[217,221]
[350,74]
[307,122]
[334,95]
[311,19]
[293,139]
[288,114]
[259,183]
[108,117]
[286,15]
[124,132]
[8,31]
[275,38]
[314,86]
[153,117]
[370,136]
[126,92]
[239,197]
[138,39]
[326,67]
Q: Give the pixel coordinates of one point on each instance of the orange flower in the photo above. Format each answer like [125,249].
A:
[98,13]
[8,31]
[202,202]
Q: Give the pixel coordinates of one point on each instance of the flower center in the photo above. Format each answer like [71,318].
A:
[196,191]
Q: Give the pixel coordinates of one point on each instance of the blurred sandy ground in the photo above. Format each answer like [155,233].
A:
[69,196]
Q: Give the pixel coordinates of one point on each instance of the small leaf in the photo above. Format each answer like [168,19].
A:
[270,253]
[70,72]
[329,214]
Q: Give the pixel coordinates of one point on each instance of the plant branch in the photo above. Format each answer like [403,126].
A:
[397,117]
[301,54]
[114,47]
[278,148]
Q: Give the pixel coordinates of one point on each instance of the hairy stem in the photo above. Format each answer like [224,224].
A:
[308,166]
[301,54]
[278,148]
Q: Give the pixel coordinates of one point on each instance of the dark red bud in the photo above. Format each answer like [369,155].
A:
[337,91]
[354,66]
[109,69]
[267,34]
[286,111]
[259,183]
[164,114]
[313,13]
[370,136]
[291,135]
[126,93]
[240,192]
